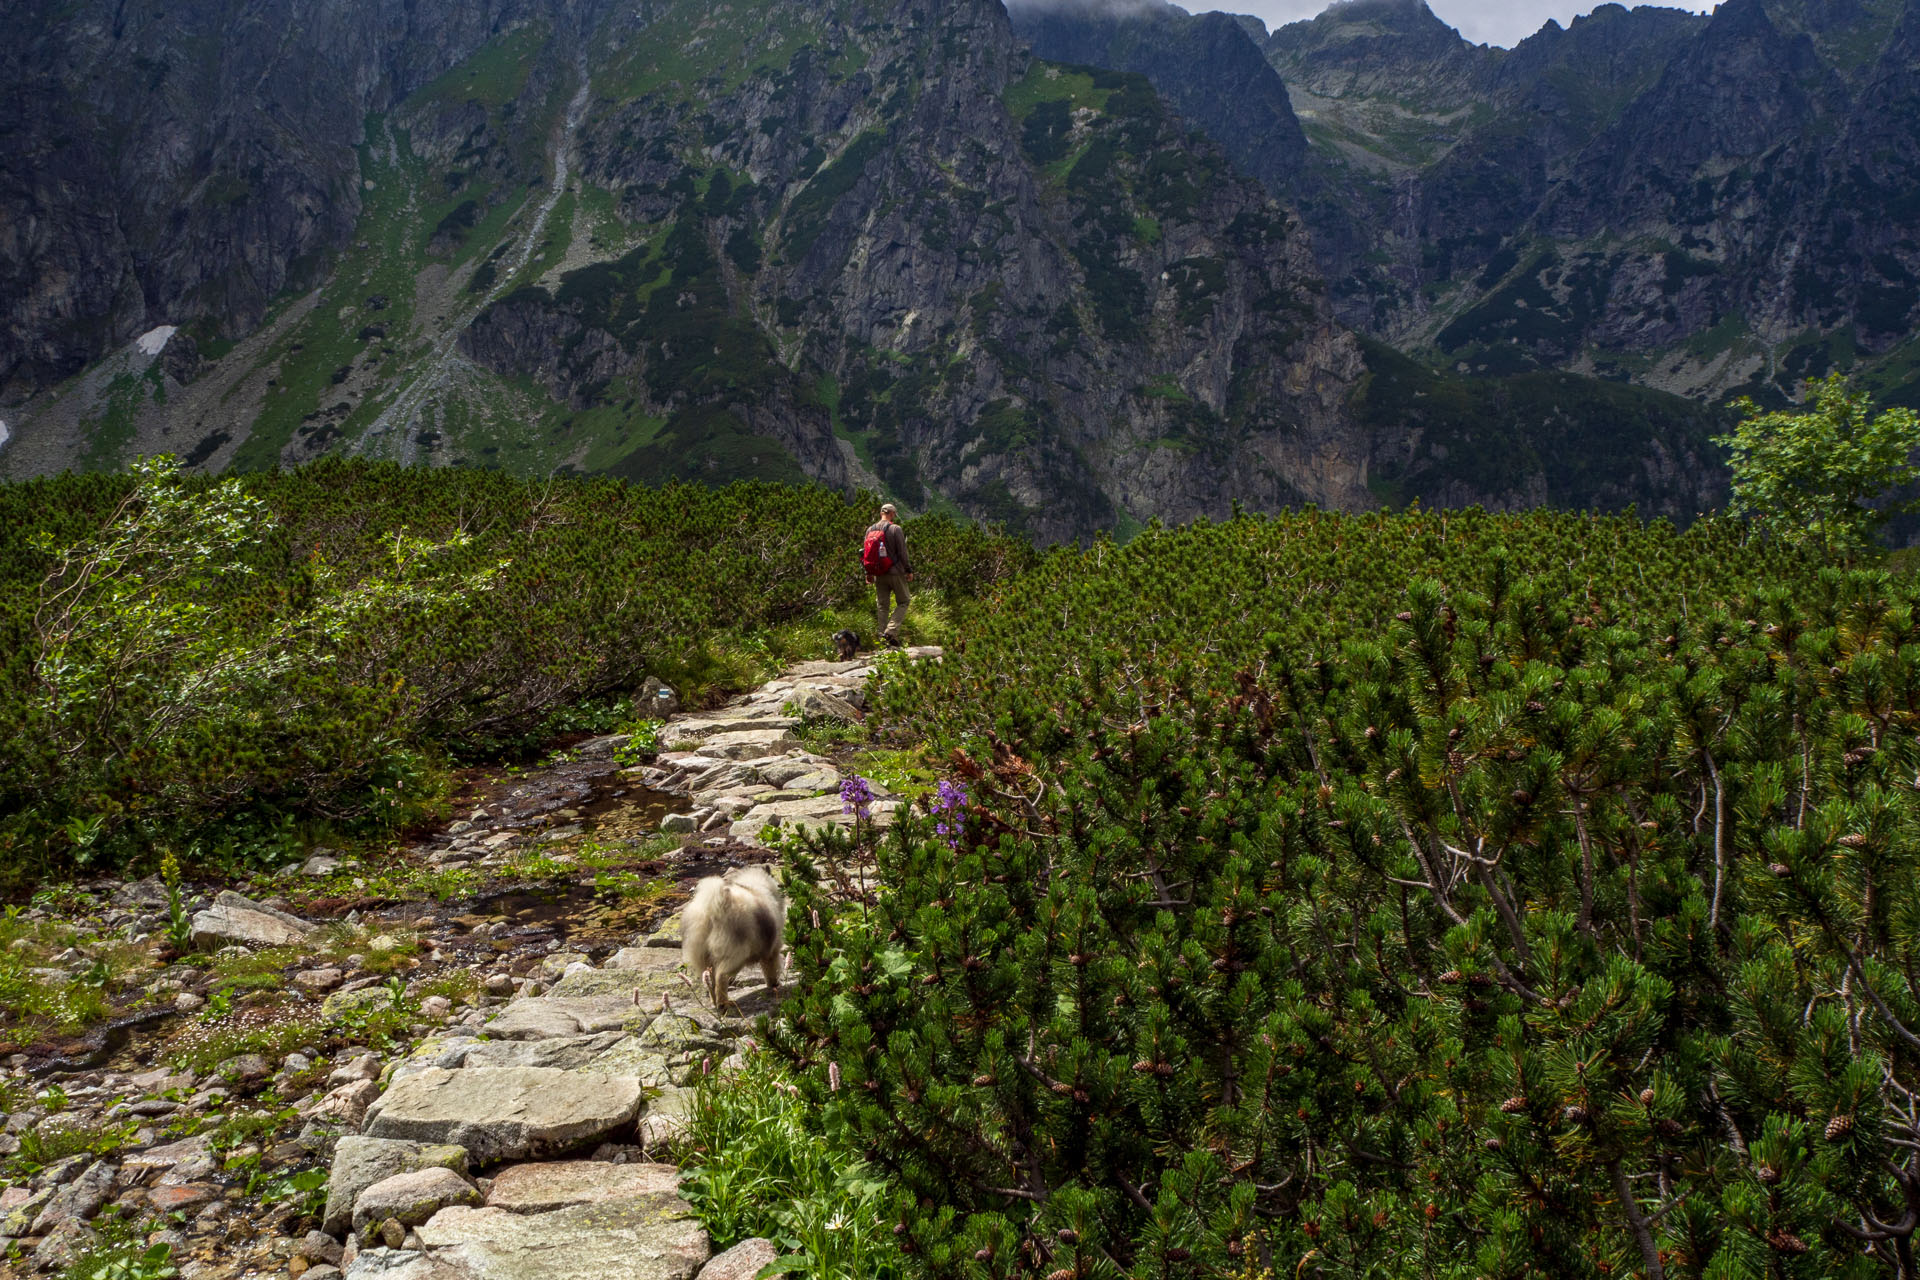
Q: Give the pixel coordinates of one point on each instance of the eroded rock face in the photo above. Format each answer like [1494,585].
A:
[507,1113]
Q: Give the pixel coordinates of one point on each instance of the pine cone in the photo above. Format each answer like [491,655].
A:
[1786,1241]
[1493,1144]
[1852,841]
[1779,870]
[1646,1097]
[1450,976]
[1514,1105]
[1144,1067]
[1839,1127]
[983,1255]
[1768,1175]
[1575,1114]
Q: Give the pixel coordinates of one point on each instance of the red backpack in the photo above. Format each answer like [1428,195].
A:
[873,555]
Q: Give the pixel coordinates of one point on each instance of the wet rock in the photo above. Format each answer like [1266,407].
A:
[359,1163]
[742,1262]
[506,1113]
[236,919]
[411,1198]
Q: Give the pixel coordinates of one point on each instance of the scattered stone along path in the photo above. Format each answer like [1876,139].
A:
[529,1131]
[469,1166]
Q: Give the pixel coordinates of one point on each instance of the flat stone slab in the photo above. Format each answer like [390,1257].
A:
[545,1017]
[650,1237]
[541,1188]
[748,744]
[648,984]
[507,1113]
[609,1053]
[684,732]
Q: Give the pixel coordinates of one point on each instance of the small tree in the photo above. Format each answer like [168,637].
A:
[1823,474]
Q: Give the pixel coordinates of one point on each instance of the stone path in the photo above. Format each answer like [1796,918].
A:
[539,1142]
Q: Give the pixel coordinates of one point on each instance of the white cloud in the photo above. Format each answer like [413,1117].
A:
[1501,22]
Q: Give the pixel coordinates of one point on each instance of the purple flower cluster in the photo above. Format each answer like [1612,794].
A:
[950,806]
[856,797]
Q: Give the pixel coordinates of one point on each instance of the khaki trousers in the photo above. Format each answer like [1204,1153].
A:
[894,584]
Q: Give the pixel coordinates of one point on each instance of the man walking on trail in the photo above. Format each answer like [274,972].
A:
[884,555]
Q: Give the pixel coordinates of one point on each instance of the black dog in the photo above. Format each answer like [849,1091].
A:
[846,644]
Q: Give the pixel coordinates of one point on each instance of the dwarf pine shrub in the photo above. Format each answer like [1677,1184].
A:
[1421,895]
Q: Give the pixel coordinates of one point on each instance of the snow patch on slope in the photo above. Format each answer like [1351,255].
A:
[154,341]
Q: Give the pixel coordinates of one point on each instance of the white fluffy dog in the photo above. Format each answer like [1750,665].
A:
[734,920]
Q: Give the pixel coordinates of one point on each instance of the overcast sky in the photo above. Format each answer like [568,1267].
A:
[1501,22]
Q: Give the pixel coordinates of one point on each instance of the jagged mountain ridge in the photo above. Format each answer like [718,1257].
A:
[1709,205]
[863,242]
[854,241]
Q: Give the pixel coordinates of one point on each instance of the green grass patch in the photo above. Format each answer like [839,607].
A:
[757,1169]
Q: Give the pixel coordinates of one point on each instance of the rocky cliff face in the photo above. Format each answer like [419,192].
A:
[1689,203]
[872,243]
[175,163]
[869,242]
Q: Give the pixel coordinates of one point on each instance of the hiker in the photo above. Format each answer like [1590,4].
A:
[884,556]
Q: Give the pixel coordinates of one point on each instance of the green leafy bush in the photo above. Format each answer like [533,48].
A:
[1452,895]
[181,655]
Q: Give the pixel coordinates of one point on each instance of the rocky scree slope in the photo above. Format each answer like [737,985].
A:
[525,1125]
[1706,205]
[866,242]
